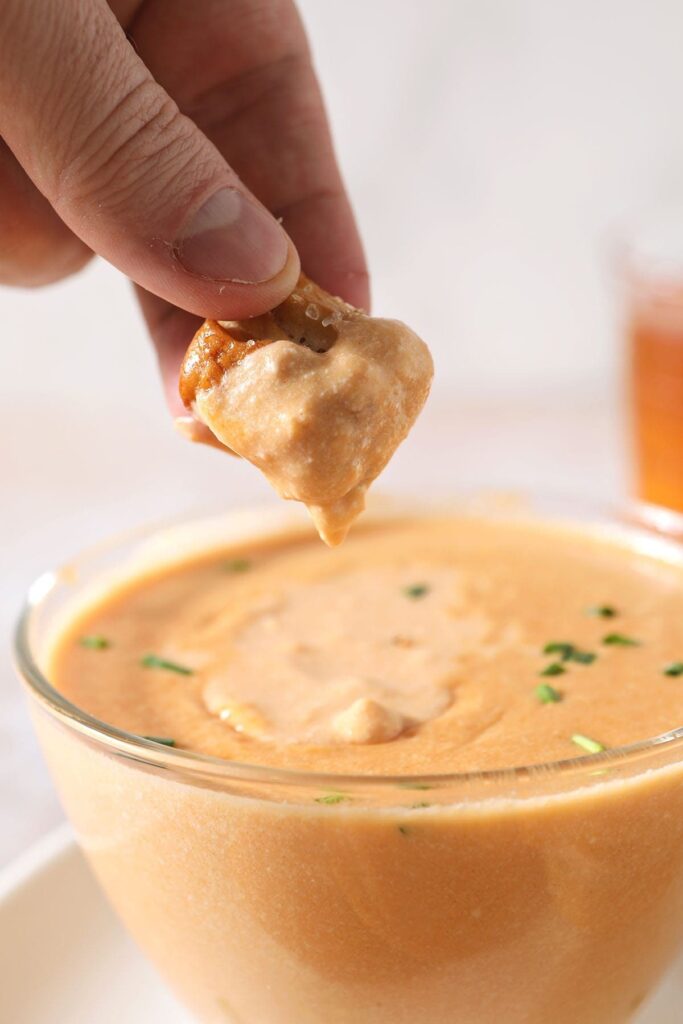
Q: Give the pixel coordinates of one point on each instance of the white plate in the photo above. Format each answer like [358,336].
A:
[65,959]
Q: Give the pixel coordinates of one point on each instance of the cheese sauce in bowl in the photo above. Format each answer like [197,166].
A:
[434,774]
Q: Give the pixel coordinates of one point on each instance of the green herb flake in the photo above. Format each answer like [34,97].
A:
[154,661]
[165,741]
[620,640]
[414,785]
[331,798]
[674,669]
[94,642]
[404,830]
[602,611]
[237,565]
[564,650]
[416,590]
[547,694]
[586,743]
[583,657]
[569,652]
[555,668]
[419,806]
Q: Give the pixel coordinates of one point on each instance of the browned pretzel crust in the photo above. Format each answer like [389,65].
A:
[308,316]
[212,352]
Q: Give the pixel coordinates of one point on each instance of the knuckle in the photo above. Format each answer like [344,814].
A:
[142,134]
[256,86]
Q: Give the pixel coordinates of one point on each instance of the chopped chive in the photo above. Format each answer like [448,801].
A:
[564,650]
[569,652]
[586,743]
[95,642]
[547,694]
[418,806]
[166,741]
[674,669]
[416,591]
[584,657]
[403,830]
[602,611]
[154,661]
[620,640]
[414,785]
[238,565]
[331,798]
[555,668]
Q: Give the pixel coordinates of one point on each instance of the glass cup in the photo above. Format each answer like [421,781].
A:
[652,270]
[551,892]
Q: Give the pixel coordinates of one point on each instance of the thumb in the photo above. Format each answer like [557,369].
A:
[136,180]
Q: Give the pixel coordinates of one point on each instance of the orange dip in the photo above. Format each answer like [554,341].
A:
[421,646]
[442,625]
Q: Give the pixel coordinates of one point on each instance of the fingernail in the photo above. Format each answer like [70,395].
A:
[231,238]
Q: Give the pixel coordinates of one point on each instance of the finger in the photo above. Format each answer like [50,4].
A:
[171,330]
[135,179]
[36,247]
[192,430]
[255,94]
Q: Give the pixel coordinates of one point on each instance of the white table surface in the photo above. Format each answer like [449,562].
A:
[80,472]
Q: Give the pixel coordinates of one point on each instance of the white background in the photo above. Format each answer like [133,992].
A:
[491,148]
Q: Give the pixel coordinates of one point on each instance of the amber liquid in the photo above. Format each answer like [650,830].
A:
[656,350]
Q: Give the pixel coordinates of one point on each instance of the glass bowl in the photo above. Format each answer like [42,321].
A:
[537,893]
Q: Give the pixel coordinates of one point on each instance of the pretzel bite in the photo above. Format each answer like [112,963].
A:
[315,393]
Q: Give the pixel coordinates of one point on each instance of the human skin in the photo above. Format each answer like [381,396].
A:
[119,122]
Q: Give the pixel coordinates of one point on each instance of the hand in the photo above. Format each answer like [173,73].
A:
[132,150]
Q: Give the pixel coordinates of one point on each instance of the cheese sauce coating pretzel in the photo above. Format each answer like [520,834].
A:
[316,394]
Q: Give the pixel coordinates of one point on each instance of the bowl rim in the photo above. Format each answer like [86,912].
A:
[655,526]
